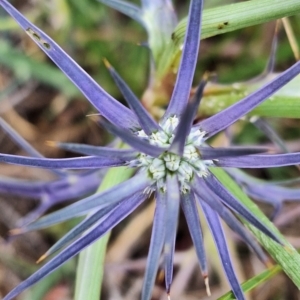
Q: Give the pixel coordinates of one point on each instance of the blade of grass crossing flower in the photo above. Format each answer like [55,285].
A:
[156,245]
[90,267]
[190,211]
[221,244]
[254,282]
[188,62]
[228,199]
[107,105]
[87,162]
[173,203]
[128,9]
[101,199]
[146,121]
[234,112]
[186,121]
[287,257]
[261,161]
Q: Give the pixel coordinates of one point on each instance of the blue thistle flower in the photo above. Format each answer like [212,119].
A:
[173,162]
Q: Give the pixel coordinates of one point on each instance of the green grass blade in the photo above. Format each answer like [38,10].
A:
[286,256]
[254,282]
[91,260]
[227,18]
[240,15]
[284,104]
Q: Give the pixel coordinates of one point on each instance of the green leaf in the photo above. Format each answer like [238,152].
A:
[90,268]
[283,104]
[254,282]
[224,19]
[286,256]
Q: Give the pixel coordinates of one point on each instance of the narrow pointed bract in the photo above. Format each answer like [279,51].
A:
[133,141]
[25,145]
[220,240]
[96,150]
[228,199]
[217,153]
[19,140]
[186,121]
[214,202]
[84,225]
[88,162]
[173,202]
[145,120]
[261,161]
[156,245]
[189,208]
[188,62]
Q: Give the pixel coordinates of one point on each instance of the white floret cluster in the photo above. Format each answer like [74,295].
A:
[185,167]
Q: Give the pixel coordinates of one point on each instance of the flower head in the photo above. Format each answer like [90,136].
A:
[173,160]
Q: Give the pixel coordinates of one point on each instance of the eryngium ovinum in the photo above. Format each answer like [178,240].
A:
[172,159]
